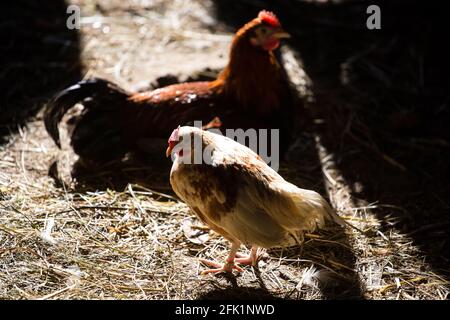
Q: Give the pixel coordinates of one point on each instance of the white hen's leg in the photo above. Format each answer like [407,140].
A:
[250,260]
[228,266]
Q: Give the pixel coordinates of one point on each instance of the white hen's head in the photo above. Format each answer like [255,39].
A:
[184,141]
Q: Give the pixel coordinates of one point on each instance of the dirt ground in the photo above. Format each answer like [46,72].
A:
[119,233]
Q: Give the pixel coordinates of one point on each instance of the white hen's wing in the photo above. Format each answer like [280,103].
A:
[272,213]
[268,211]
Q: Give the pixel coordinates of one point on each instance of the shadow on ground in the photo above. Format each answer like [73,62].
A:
[38,55]
[149,172]
[237,293]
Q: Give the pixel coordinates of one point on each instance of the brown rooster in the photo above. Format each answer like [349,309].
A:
[235,193]
[251,92]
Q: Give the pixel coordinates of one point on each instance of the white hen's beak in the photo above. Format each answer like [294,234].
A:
[169,150]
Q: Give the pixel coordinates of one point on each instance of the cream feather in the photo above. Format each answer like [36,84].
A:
[242,198]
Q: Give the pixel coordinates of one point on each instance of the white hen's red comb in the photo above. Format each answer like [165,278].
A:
[269,18]
[175,136]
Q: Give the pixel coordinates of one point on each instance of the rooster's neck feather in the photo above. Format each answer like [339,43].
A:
[252,75]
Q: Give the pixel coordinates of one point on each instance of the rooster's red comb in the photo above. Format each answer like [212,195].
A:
[269,17]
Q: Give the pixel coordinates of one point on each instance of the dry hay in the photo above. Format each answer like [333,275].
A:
[60,243]
[75,242]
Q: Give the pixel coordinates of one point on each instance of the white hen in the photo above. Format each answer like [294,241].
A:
[239,196]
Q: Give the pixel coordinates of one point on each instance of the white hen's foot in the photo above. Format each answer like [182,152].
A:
[218,267]
[251,260]
[246,260]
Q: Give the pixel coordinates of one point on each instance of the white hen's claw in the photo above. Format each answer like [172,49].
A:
[227,267]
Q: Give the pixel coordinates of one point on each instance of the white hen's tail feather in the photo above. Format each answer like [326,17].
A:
[321,210]
[332,215]
[336,218]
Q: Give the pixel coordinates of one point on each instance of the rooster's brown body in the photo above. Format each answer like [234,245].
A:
[251,92]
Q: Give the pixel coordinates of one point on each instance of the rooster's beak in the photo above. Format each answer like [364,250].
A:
[169,150]
[280,34]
